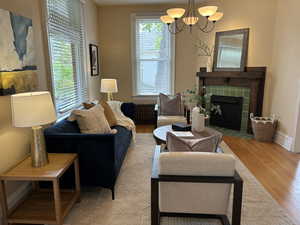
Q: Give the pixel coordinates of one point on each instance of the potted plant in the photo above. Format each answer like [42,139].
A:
[196,103]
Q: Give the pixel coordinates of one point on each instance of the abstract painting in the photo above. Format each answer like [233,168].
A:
[18,70]
[94,60]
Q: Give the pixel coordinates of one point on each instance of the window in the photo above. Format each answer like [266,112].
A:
[153,56]
[66,46]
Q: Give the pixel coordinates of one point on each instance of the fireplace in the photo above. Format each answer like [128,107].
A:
[252,81]
[226,111]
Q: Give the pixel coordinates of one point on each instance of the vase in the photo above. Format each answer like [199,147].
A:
[198,120]
[209,64]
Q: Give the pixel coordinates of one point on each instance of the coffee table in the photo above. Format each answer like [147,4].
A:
[160,134]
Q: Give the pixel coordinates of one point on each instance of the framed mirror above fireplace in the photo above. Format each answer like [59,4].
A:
[231,50]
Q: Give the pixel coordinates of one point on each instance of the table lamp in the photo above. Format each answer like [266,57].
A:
[109,86]
[33,110]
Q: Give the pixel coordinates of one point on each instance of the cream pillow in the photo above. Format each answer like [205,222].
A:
[92,121]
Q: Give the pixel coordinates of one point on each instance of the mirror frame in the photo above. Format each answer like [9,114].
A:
[245,46]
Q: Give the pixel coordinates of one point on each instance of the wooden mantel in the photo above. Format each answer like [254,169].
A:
[252,77]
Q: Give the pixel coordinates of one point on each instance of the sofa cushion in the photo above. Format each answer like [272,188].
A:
[63,126]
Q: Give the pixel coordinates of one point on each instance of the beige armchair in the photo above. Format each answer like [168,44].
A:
[194,184]
[163,120]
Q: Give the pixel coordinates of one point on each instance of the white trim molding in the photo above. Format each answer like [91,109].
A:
[284,140]
[16,196]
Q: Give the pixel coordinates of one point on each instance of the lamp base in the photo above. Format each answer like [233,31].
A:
[39,155]
[109,97]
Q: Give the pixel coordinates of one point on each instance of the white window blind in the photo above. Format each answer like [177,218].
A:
[153,56]
[66,46]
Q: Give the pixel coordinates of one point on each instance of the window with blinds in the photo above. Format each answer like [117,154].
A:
[153,56]
[66,46]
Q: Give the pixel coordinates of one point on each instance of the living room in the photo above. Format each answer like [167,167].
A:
[106,28]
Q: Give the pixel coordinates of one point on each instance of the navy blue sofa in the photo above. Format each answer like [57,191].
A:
[100,155]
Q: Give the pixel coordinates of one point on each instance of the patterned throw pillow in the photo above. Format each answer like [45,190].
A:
[170,106]
[92,121]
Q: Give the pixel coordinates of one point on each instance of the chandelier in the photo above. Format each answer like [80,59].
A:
[178,19]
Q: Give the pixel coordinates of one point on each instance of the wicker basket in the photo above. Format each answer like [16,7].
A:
[263,128]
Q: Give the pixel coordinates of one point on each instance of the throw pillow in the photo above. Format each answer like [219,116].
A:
[180,144]
[170,106]
[88,105]
[109,114]
[92,121]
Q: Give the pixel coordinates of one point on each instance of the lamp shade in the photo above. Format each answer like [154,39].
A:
[109,86]
[176,13]
[191,20]
[208,10]
[167,19]
[216,17]
[32,109]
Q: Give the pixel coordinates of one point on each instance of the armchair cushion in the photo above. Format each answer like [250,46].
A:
[196,164]
[197,198]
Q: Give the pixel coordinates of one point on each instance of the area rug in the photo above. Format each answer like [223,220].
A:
[132,203]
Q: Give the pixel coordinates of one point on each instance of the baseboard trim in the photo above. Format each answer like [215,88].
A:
[284,140]
[16,196]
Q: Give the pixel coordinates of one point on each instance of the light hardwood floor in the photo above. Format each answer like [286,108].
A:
[276,169]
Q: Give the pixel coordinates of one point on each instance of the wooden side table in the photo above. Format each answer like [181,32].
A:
[41,206]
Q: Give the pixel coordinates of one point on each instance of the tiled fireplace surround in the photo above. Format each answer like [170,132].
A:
[233,92]
[248,84]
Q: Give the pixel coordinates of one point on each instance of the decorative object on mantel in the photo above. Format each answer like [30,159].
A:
[33,110]
[18,70]
[191,18]
[264,127]
[205,51]
[94,60]
[231,50]
[109,86]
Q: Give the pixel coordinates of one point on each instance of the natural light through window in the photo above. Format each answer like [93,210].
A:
[153,56]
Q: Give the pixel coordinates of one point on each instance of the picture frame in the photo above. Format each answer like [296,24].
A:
[94,59]
[233,45]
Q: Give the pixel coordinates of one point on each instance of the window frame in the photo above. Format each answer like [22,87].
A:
[151,15]
[83,64]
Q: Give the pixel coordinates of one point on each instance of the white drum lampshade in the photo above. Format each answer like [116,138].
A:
[34,109]
[109,86]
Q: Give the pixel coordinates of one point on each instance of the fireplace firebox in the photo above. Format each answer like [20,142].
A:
[226,111]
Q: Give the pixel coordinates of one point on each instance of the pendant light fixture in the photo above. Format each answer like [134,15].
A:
[178,19]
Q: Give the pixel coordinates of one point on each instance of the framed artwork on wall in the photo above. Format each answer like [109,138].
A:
[94,60]
[18,70]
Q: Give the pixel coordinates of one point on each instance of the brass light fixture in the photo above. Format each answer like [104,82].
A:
[178,19]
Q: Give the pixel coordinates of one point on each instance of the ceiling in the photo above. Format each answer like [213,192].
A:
[126,2]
